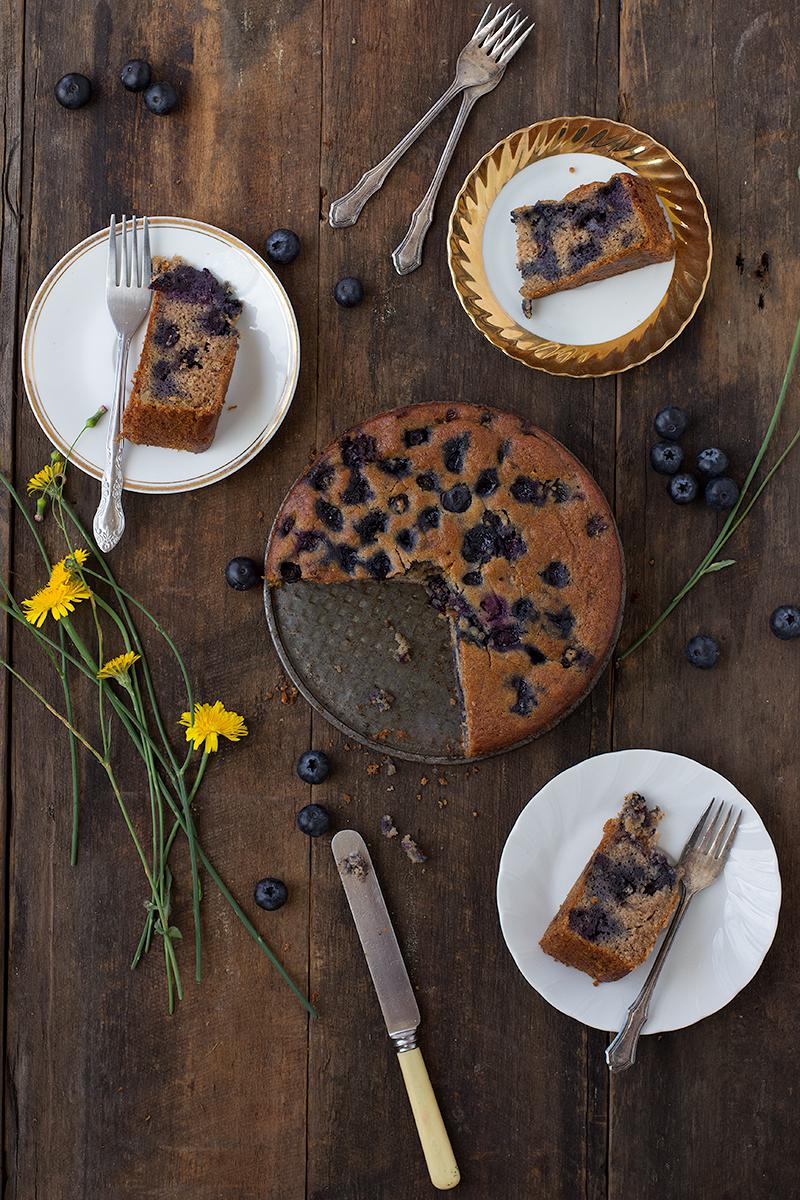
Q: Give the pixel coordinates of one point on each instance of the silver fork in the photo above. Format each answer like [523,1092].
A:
[703,859]
[500,49]
[481,60]
[128,297]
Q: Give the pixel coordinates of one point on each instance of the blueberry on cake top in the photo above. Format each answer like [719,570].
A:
[621,901]
[597,230]
[510,536]
[187,358]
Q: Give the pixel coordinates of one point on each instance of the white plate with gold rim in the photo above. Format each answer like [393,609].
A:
[726,933]
[68,358]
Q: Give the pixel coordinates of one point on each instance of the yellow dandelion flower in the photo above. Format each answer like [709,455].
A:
[209,723]
[48,477]
[56,599]
[118,668]
[67,567]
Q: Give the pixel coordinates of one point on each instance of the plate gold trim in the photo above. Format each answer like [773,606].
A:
[584,135]
[192,482]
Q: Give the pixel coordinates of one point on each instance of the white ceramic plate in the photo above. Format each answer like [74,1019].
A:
[68,358]
[726,933]
[596,312]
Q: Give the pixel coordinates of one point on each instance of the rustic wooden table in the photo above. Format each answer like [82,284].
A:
[238,1096]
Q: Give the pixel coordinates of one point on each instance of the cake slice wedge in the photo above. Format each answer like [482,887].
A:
[596,231]
[623,898]
[187,359]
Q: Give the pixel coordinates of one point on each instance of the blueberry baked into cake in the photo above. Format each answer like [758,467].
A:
[509,534]
[187,358]
[624,897]
[597,230]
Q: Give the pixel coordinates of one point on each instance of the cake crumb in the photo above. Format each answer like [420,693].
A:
[442,802]
[373,768]
[475,812]
[356,865]
[337,668]
[390,788]
[347,798]
[418,796]
[412,850]
[289,693]
[391,769]
[388,828]
[442,781]
[423,781]
[382,699]
[403,649]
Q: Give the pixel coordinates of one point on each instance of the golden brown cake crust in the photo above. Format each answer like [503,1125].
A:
[536,603]
[188,419]
[640,239]
[639,918]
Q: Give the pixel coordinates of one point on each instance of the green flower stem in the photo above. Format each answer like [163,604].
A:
[120,802]
[191,835]
[73,751]
[736,515]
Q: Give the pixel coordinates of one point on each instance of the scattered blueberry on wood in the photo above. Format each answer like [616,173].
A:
[666,458]
[313,766]
[785,622]
[721,493]
[671,422]
[270,893]
[313,820]
[160,98]
[242,573]
[348,292]
[712,462]
[73,90]
[683,488]
[703,651]
[135,75]
[282,246]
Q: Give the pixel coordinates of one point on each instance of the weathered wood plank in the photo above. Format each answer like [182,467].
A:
[110,1096]
[525,1116]
[705,1109]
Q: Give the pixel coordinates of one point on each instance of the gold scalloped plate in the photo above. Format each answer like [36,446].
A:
[675,302]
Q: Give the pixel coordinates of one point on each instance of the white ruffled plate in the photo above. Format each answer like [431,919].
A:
[726,933]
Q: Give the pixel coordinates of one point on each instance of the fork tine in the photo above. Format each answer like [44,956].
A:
[512,33]
[480,26]
[135,266]
[694,836]
[492,24]
[111,263]
[721,833]
[725,848]
[488,44]
[512,50]
[147,266]
[711,829]
[124,277]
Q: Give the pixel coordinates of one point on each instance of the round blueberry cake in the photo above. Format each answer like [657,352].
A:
[510,536]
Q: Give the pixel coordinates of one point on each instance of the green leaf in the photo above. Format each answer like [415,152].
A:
[175,933]
[720,565]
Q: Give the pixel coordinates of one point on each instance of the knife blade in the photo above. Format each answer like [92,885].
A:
[396,998]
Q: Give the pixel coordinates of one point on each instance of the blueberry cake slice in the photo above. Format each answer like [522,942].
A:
[624,897]
[597,230]
[187,359]
[510,536]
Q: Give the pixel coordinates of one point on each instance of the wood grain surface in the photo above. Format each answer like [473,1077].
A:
[238,1096]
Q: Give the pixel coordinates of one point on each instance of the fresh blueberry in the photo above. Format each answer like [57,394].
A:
[703,651]
[712,462]
[270,894]
[721,493]
[671,423]
[457,499]
[313,820]
[682,488]
[313,766]
[282,246]
[242,573]
[73,90]
[785,622]
[666,458]
[348,292]
[160,98]
[135,75]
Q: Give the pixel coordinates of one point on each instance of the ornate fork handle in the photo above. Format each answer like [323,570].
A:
[621,1053]
[109,520]
[408,255]
[346,210]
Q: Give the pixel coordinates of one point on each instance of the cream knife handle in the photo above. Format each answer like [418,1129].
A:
[436,1147]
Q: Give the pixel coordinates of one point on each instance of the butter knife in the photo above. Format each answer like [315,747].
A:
[396,998]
